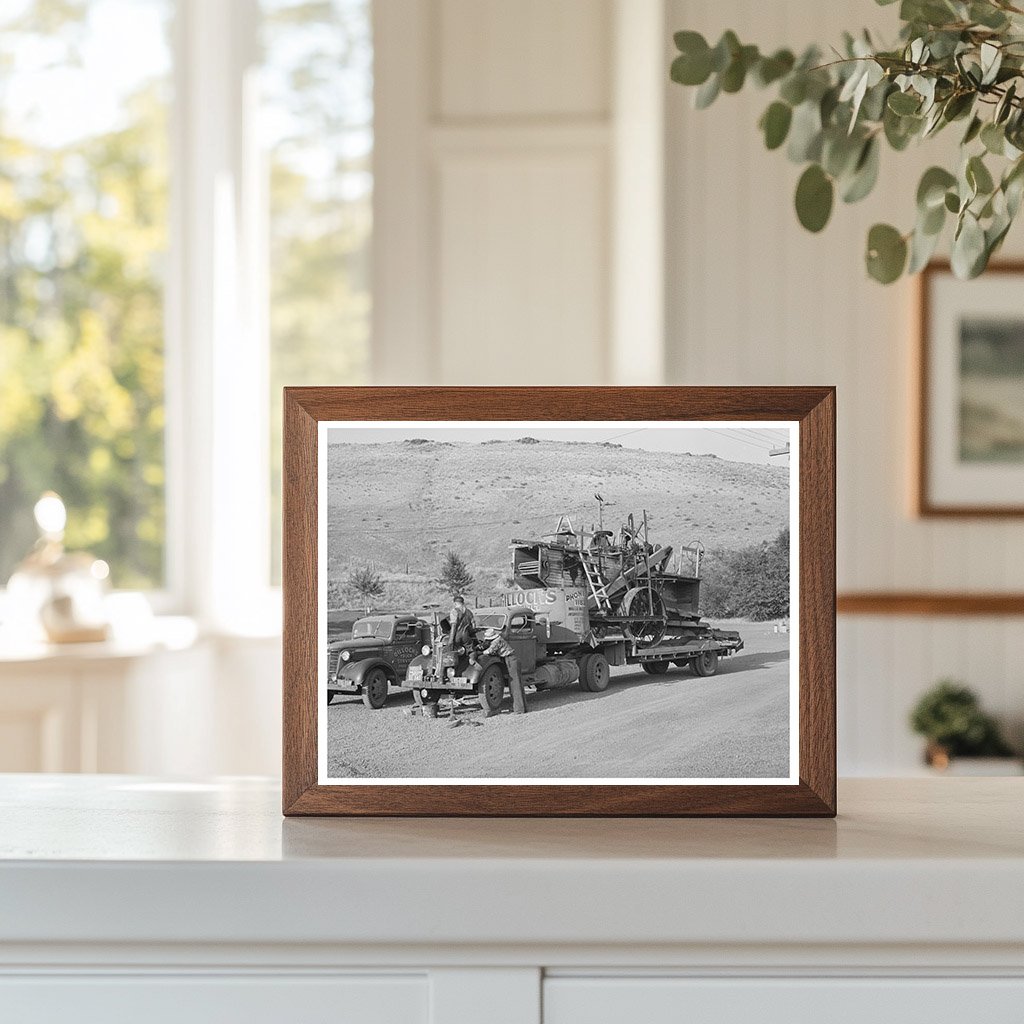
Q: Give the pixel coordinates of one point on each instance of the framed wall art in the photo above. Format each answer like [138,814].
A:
[970,444]
[559,601]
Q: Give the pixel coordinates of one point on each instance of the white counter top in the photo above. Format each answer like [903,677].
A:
[120,860]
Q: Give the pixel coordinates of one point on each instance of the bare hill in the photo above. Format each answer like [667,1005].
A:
[401,505]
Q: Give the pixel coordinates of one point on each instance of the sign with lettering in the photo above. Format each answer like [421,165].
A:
[565,607]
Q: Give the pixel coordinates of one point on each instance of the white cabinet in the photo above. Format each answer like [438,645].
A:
[823,1000]
[129,898]
[200,999]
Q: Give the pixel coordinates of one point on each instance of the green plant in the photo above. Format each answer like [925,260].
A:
[950,717]
[956,61]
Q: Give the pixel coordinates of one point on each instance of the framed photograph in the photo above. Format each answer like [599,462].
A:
[970,450]
[559,601]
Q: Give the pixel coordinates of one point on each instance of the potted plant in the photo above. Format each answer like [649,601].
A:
[950,718]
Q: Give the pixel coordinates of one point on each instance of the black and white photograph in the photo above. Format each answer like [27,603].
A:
[563,602]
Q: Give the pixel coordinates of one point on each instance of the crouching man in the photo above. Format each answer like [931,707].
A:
[499,647]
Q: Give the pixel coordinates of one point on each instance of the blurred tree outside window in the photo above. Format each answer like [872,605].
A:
[317,123]
[84,101]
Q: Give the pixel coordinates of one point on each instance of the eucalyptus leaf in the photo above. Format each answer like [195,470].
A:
[922,248]
[968,248]
[993,138]
[978,176]
[805,133]
[886,253]
[904,103]
[707,93]
[865,173]
[775,124]
[771,69]
[931,190]
[814,196]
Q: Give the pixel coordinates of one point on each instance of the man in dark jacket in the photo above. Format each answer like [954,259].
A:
[460,624]
[499,647]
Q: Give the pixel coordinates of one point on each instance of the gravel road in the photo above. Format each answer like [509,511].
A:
[732,725]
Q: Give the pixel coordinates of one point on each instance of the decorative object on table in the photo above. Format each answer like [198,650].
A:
[537,550]
[970,445]
[54,593]
[950,717]
[957,63]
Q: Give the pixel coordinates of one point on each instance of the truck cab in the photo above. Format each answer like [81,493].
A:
[466,671]
[376,657]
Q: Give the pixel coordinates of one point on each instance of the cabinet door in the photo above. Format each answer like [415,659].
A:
[205,999]
[678,1000]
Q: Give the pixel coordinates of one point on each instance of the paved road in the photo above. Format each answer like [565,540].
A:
[732,725]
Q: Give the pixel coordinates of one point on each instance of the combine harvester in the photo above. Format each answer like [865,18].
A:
[613,592]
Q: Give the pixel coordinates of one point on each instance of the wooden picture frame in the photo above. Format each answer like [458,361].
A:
[929,378]
[811,787]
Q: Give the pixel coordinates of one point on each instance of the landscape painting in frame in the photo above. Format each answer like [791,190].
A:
[554,603]
[972,443]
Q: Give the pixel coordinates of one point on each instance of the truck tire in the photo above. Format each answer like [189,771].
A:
[375,689]
[491,689]
[594,673]
[655,668]
[705,663]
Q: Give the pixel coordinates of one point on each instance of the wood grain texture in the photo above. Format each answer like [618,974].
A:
[923,503]
[925,603]
[812,407]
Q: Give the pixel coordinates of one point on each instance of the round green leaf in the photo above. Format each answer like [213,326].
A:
[932,189]
[693,65]
[952,201]
[903,103]
[968,256]
[814,195]
[775,123]
[887,253]
[865,173]
[707,93]
[978,176]
[993,138]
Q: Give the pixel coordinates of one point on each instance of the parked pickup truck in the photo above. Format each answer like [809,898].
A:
[377,656]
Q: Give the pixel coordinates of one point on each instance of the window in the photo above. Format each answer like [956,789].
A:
[317,119]
[83,235]
[238,213]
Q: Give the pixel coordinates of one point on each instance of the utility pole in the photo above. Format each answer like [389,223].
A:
[783,450]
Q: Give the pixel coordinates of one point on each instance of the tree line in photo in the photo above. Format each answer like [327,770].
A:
[751,582]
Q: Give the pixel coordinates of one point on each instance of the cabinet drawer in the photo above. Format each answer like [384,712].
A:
[202,999]
[673,1000]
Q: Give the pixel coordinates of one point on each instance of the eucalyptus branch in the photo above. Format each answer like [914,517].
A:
[954,59]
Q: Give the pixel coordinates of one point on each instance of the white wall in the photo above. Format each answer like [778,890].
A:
[754,299]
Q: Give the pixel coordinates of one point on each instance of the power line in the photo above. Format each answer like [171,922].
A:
[449,527]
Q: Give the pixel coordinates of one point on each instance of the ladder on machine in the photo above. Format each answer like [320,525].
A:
[598,588]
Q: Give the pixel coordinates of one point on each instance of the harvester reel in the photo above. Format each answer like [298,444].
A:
[645,614]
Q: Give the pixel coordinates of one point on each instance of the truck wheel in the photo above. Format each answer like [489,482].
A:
[655,668]
[705,663]
[375,689]
[491,689]
[594,673]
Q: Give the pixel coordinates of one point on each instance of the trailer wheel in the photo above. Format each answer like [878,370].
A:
[655,668]
[594,673]
[705,663]
[491,689]
[375,689]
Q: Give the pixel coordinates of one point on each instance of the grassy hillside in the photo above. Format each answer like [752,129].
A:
[401,505]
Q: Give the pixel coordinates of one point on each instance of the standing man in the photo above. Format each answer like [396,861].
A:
[460,625]
[499,647]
